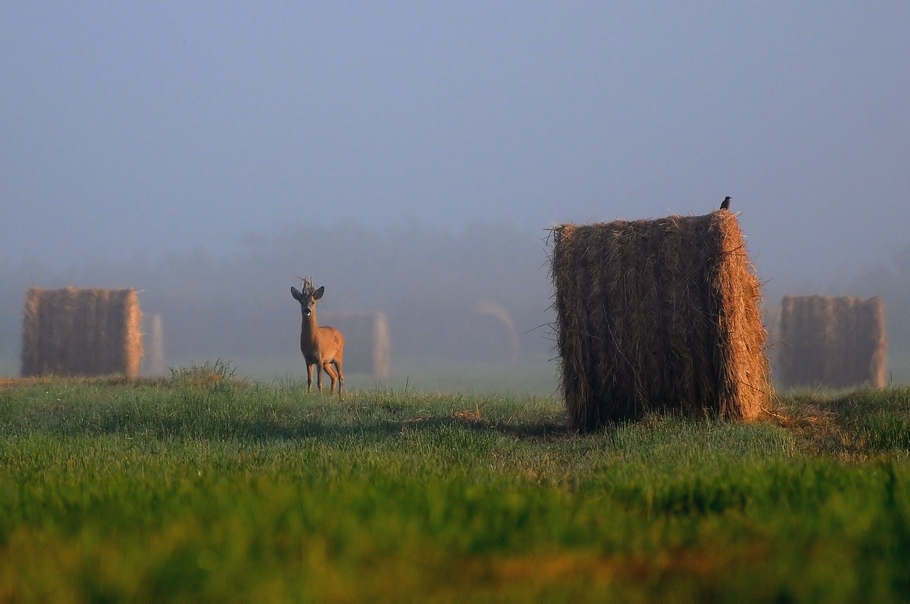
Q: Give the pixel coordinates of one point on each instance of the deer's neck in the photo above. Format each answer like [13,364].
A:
[309,329]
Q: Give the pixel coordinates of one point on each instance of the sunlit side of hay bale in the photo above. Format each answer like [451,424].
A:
[81,332]
[834,342]
[367,344]
[658,315]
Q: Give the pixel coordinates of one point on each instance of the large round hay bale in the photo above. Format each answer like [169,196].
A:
[658,315]
[81,332]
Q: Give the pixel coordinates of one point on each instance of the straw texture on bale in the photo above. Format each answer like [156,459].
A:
[81,332]
[658,315]
[367,346]
[835,342]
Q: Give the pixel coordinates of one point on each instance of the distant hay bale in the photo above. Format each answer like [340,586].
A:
[81,332]
[154,363]
[836,342]
[367,345]
[658,315]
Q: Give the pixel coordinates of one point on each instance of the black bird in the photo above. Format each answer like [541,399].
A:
[725,204]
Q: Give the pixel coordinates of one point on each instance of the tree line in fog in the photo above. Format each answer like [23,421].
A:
[470,295]
[435,286]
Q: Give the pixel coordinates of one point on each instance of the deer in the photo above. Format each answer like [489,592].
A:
[322,347]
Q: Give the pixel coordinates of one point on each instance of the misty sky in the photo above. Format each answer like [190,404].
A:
[146,127]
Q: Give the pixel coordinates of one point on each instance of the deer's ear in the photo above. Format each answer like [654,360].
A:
[318,293]
[295,293]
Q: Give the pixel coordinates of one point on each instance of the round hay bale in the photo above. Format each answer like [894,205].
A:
[658,315]
[81,332]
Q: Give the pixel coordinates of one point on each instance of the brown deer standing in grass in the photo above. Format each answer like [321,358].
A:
[321,346]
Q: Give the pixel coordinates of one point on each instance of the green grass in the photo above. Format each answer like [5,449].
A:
[206,487]
[528,378]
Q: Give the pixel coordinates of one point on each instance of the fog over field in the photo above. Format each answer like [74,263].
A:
[411,156]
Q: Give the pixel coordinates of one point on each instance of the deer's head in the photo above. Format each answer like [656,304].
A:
[307,297]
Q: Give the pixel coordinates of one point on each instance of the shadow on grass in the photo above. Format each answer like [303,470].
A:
[213,419]
[544,429]
[222,409]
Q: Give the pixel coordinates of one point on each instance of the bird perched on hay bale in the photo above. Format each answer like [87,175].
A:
[725,204]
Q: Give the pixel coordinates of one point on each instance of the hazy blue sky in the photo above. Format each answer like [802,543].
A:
[147,127]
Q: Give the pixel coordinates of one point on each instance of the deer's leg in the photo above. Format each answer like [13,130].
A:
[340,377]
[337,361]
[332,375]
[309,376]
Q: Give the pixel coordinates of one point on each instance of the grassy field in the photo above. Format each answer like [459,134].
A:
[205,487]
